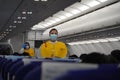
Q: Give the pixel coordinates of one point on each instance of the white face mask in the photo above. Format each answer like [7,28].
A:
[27,47]
[53,36]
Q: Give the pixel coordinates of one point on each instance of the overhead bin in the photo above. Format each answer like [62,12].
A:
[101,18]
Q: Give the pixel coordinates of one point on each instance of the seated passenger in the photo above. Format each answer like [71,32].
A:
[73,56]
[26,50]
[94,57]
[116,54]
[53,48]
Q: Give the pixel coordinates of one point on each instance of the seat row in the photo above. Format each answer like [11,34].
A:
[25,68]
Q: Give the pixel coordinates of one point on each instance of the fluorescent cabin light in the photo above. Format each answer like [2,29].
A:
[88,42]
[80,6]
[43,24]
[112,39]
[56,19]
[102,40]
[90,3]
[102,0]
[34,28]
[72,10]
[50,21]
[38,26]
[83,7]
[59,16]
[118,38]
[93,3]
[94,41]
[67,14]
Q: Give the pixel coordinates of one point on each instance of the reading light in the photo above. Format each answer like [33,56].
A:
[23,17]
[10,26]
[23,12]
[19,17]
[7,29]
[36,0]
[19,21]
[15,21]
[29,12]
[14,26]
[44,0]
[10,29]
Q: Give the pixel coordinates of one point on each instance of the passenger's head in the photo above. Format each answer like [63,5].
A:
[27,45]
[82,56]
[53,34]
[94,57]
[110,59]
[116,54]
[73,56]
[16,53]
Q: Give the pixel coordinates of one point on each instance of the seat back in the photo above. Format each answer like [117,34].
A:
[24,70]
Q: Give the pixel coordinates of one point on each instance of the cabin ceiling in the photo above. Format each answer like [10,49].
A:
[17,16]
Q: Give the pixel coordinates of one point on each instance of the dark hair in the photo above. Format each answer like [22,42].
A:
[110,59]
[116,54]
[94,57]
[27,43]
[52,30]
[73,56]
[82,56]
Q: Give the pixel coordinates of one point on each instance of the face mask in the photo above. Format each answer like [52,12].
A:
[53,37]
[27,47]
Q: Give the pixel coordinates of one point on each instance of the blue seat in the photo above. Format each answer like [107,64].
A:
[1,78]
[24,70]
[7,68]
[66,60]
[14,68]
[106,72]
[1,58]
[3,67]
[1,63]
[35,74]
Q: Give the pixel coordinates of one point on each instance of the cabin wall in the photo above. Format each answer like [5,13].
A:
[105,48]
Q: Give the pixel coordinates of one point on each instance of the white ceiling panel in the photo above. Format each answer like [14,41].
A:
[106,16]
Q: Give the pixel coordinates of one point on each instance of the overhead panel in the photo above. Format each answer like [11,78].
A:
[104,17]
[27,14]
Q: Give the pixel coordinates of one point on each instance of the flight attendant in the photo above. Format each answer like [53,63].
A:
[27,50]
[53,48]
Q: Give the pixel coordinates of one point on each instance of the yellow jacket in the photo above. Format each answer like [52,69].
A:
[30,51]
[51,50]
